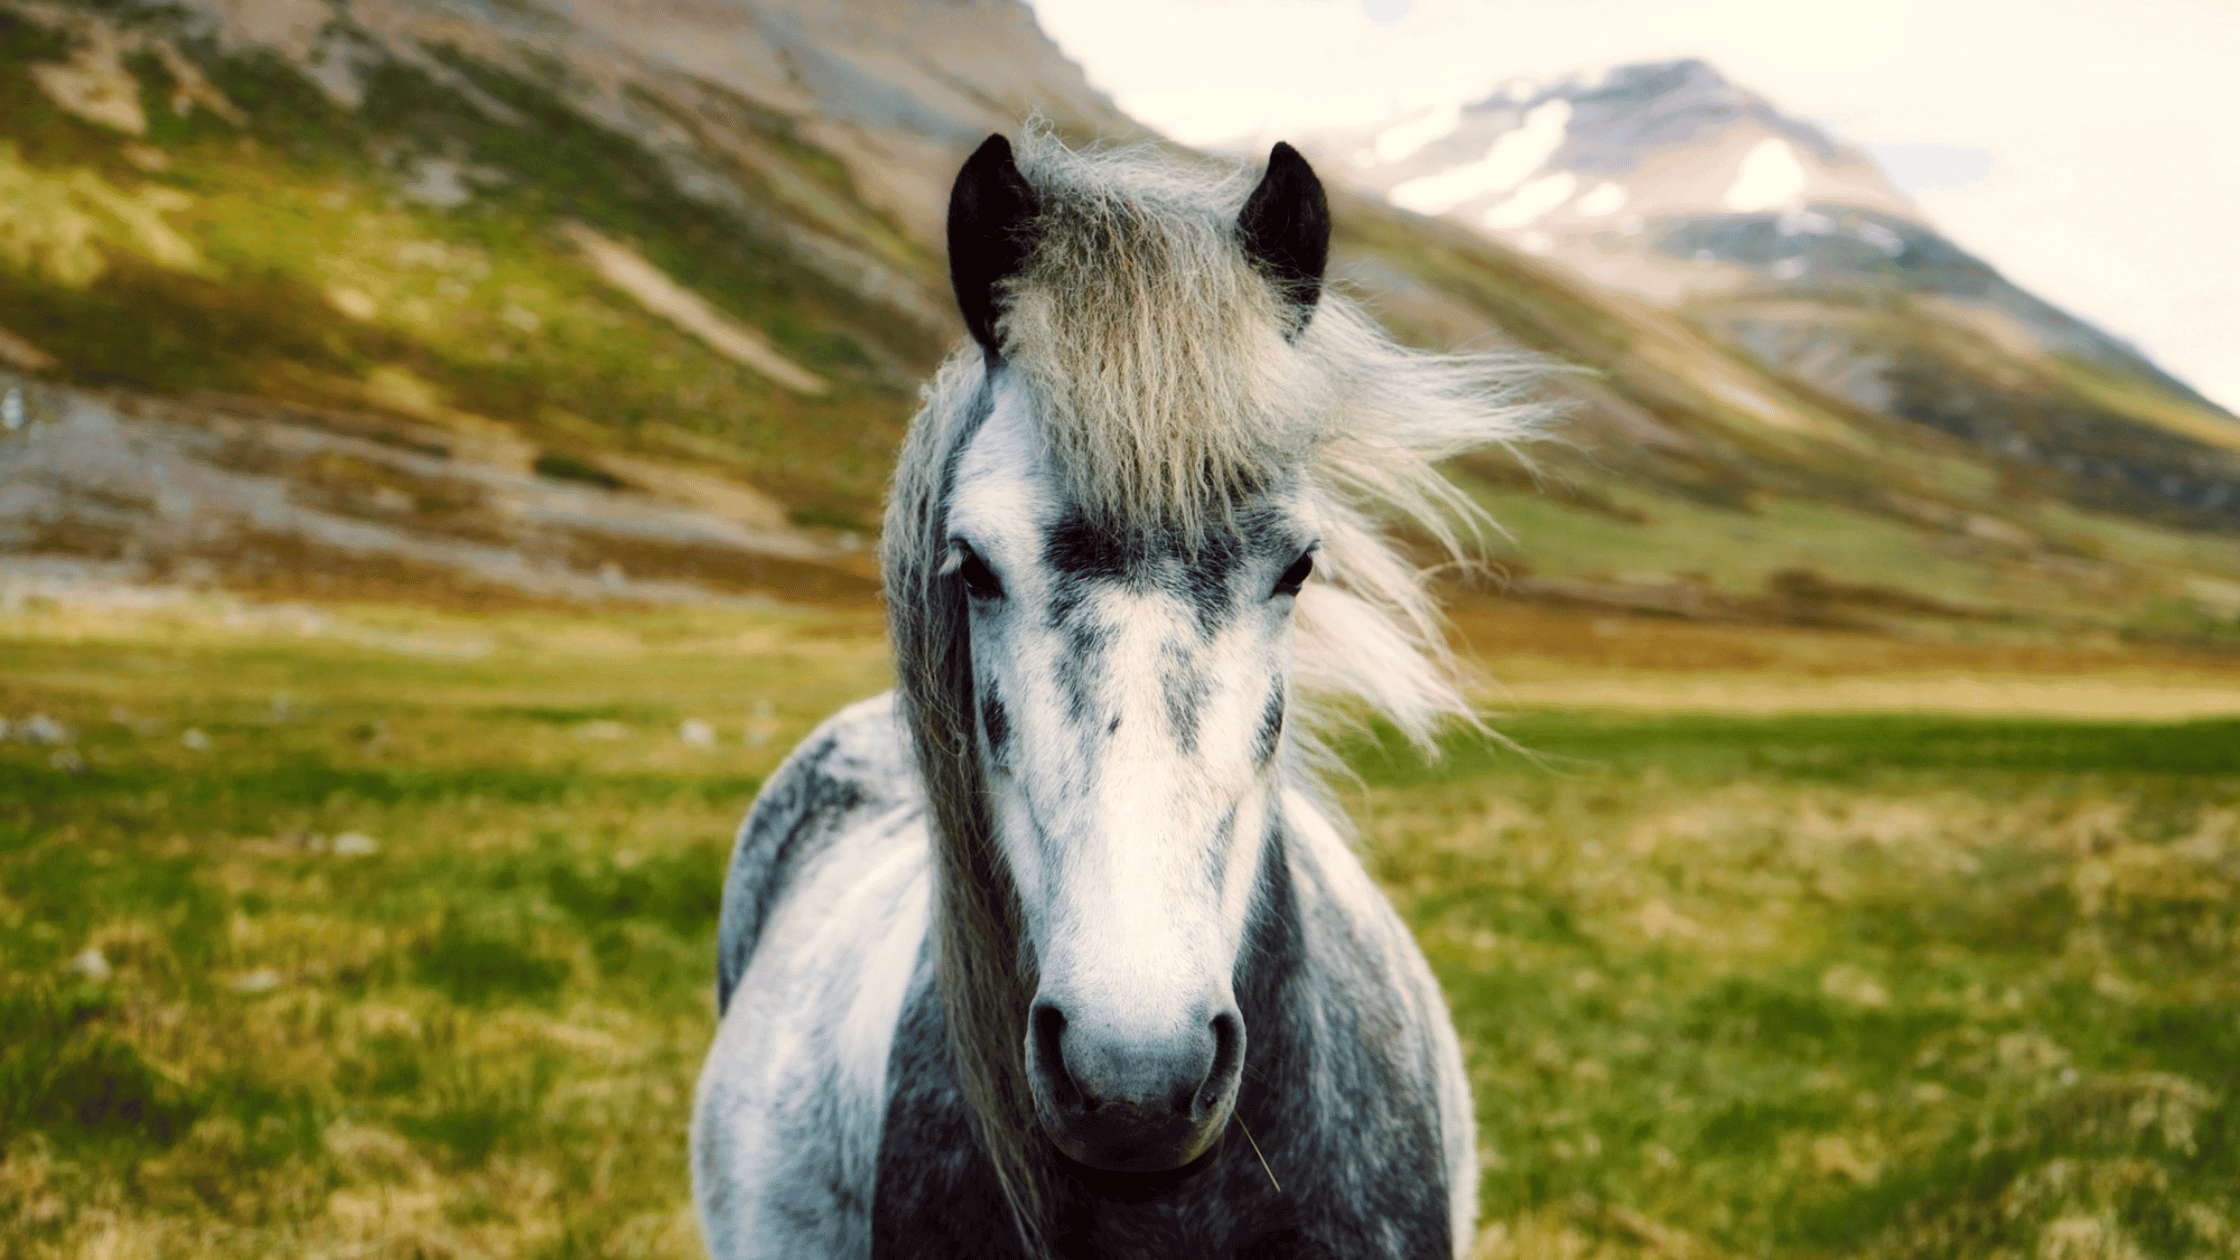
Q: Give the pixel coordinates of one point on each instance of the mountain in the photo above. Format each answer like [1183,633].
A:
[1596,160]
[575,300]
[1669,182]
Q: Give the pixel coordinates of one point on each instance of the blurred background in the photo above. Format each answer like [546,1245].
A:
[441,450]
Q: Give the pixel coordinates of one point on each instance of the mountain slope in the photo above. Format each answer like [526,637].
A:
[1667,181]
[641,301]
[701,242]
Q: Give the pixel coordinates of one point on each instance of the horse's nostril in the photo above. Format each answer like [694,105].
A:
[1132,1095]
[1228,1057]
[1049,1032]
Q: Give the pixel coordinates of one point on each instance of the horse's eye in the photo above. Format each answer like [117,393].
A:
[979,580]
[1296,576]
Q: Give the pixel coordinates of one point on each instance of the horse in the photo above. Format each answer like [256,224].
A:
[1060,948]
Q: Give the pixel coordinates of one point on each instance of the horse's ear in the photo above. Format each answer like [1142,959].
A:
[990,210]
[1285,228]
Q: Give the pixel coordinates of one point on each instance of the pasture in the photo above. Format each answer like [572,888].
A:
[373,933]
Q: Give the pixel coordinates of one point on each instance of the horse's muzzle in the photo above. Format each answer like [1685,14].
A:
[1126,1101]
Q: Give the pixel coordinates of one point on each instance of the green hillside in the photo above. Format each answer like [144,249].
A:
[289,249]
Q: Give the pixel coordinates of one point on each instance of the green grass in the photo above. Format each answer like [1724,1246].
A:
[1838,985]
[1809,985]
[480,1036]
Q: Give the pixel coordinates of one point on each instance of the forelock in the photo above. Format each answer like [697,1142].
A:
[1153,350]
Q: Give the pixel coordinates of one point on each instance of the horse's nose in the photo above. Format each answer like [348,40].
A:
[1131,1098]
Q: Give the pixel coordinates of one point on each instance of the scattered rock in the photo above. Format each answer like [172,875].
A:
[697,733]
[91,964]
[262,980]
[352,302]
[68,761]
[355,844]
[38,729]
[602,730]
[194,740]
[1852,985]
[438,183]
[95,83]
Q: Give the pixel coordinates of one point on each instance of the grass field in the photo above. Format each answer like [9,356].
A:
[370,934]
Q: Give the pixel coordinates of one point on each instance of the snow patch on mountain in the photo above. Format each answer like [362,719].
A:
[1401,142]
[1533,200]
[1607,199]
[1770,177]
[1514,156]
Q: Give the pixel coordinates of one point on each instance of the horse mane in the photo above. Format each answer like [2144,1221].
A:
[1167,379]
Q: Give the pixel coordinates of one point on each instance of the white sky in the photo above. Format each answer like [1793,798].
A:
[2113,129]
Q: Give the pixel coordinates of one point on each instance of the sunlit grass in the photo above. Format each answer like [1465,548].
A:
[392,933]
[384,933]
[1872,985]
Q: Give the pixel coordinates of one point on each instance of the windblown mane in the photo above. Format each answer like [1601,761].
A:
[1168,377]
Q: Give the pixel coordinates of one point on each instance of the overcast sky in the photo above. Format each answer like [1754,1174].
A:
[2091,151]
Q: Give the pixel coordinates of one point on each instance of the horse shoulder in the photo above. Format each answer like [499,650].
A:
[855,765]
[825,919]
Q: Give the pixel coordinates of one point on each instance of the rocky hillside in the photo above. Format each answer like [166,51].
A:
[567,301]
[690,256]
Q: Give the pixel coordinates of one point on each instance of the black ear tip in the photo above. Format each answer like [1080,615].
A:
[996,148]
[1285,230]
[990,209]
[992,160]
[1285,162]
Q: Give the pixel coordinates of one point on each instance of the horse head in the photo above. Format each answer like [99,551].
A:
[1129,554]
